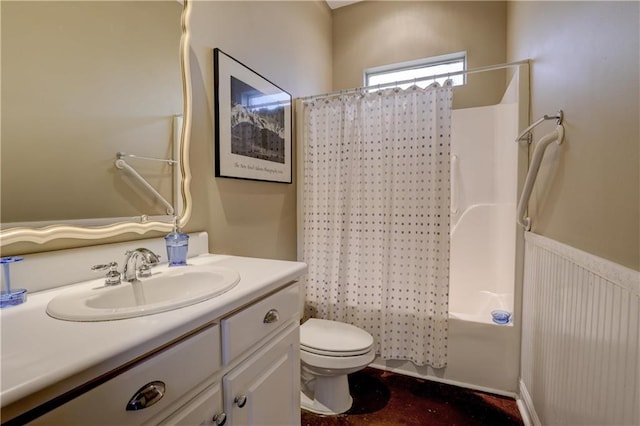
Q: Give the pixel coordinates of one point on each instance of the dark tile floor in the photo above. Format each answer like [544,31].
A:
[382,398]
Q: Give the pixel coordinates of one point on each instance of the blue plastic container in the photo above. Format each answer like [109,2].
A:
[177,248]
[8,295]
[500,316]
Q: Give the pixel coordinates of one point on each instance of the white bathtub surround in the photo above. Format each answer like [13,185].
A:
[483,235]
[376,217]
[580,337]
[483,262]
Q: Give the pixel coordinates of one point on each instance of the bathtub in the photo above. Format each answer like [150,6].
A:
[484,173]
[481,354]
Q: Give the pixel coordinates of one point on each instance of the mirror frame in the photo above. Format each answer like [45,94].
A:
[52,232]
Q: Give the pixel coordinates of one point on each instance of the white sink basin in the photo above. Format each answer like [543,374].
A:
[169,289]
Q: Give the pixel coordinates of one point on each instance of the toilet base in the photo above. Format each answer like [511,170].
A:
[329,396]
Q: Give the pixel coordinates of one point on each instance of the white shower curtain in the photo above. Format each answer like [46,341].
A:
[376,217]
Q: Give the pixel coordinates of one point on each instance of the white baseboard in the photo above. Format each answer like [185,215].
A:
[527,410]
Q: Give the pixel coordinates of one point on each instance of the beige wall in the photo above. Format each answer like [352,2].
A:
[289,43]
[80,82]
[585,58]
[374,33]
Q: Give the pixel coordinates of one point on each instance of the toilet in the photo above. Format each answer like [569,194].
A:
[329,350]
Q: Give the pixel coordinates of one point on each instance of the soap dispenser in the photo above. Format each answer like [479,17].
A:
[177,246]
[10,296]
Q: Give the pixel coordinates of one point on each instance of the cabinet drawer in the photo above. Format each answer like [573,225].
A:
[180,367]
[247,327]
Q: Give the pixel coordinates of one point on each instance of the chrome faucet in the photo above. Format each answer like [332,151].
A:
[138,263]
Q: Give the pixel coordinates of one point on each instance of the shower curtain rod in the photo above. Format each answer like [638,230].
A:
[415,80]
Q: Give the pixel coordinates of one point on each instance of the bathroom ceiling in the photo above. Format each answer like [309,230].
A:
[334,4]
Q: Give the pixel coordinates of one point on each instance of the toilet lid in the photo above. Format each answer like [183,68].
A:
[334,338]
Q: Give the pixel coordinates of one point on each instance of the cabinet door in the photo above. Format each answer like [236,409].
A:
[200,411]
[265,389]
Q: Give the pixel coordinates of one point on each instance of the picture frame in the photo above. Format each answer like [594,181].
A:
[252,124]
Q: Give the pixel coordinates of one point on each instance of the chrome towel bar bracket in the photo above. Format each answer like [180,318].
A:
[123,165]
[526,133]
[121,155]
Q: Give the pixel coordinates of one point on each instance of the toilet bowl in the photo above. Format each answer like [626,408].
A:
[329,350]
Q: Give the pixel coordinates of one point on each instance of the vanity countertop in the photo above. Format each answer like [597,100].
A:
[43,357]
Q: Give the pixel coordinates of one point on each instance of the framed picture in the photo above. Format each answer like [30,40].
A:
[252,124]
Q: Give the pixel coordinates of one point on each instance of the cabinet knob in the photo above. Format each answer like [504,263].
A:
[240,400]
[220,419]
[272,316]
[146,396]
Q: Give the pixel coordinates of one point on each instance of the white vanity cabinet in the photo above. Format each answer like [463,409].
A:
[242,369]
[232,359]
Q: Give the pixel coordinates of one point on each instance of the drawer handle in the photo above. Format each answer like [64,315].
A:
[272,316]
[220,419]
[146,396]
[240,401]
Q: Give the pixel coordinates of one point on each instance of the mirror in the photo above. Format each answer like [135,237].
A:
[83,81]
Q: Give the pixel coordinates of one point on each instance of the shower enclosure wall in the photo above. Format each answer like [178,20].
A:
[483,261]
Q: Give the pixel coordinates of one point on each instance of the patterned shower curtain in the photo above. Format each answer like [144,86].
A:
[376,217]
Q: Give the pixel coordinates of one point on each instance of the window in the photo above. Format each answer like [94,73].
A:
[418,69]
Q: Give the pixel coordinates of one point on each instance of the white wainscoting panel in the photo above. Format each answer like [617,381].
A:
[580,337]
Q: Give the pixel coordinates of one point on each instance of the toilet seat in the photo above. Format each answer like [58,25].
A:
[331,364]
[332,338]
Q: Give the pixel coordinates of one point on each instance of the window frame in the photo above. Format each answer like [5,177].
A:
[418,63]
